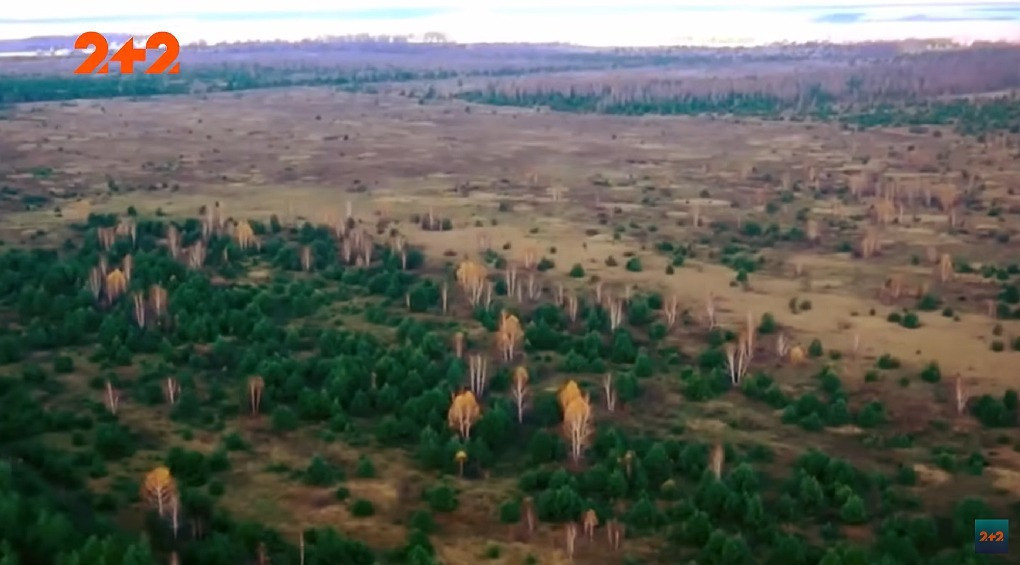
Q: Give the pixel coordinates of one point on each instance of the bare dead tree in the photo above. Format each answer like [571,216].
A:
[614,533]
[175,513]
[128,267]
[782,346]
[710,311]
[112,398]
[173,239]
[533,289]
[478,368]
[945,268]
[306,258]
[196,255]
[171,389]
[717,458]
[519,392]
[510,279]
[671,311]
[255,386]
[749,339]
[528,509]
[615,313]
[590,522]
[458,344]
[106,237]
[961,396]
[138,300]
[571,535]
[609,391]
[96,278]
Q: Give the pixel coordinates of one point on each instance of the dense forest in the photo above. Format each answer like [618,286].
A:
[901,90]
[354,347]
[972,117]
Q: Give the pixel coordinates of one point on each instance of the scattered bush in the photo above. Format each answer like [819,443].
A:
[815,348]
[362,508]
[887,362]
[931,373]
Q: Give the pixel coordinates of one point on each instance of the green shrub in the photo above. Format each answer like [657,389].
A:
[887,362]
[442,498]
[365,469]
[321,473]
[217,488]
[342,493]
[362,508]
[910,321]
[931,373]
[62,364]
[928,303]
[815,348]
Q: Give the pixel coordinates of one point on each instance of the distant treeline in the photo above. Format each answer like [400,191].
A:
[969,116]
[736,103]
[353,64]
[21,88]
[926,88]
[44,88]
[230,68]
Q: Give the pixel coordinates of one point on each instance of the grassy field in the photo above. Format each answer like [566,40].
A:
[304,153]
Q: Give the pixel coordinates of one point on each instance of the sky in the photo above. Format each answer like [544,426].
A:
[586,22]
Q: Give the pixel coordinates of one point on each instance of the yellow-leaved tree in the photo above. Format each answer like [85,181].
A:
[159,488]
[519,391]
[569,392]
[472,278]
[463,414]
[116,283]
[510,334]
[577,426]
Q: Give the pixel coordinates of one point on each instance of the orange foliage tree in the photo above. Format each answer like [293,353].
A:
[463,413]
[159,488]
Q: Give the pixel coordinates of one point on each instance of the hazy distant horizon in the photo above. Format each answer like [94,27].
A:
[594,23]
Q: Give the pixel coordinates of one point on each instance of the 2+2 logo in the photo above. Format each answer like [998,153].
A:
[128,54]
